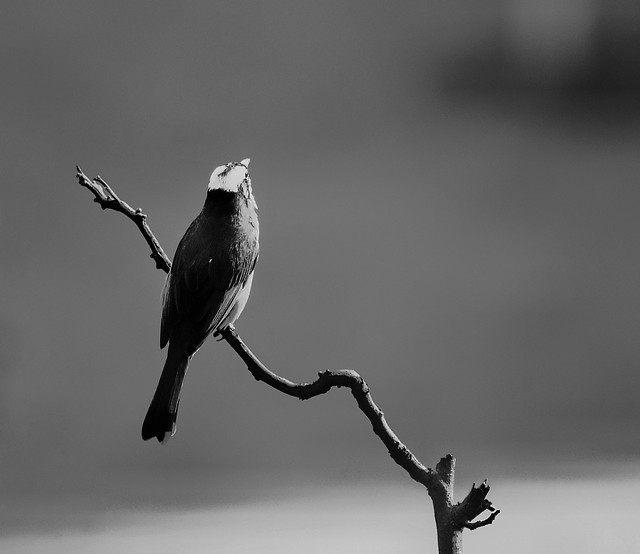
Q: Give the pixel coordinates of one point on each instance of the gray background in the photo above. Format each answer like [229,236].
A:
[449,204]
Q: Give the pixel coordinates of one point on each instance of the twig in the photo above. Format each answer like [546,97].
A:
[108,199]
[451,518]
[472,506]
[488,521]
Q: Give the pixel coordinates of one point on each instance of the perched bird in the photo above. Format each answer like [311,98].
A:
[207,287]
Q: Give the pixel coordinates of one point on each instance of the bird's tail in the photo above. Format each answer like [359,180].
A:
[160,421]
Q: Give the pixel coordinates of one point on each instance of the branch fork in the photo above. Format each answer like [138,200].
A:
[474,504]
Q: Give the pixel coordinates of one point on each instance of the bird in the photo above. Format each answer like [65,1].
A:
[207,287]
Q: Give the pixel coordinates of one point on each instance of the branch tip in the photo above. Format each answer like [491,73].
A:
[471,525]
[472,506]
[108,199]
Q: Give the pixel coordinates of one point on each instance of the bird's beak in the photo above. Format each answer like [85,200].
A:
[246,162]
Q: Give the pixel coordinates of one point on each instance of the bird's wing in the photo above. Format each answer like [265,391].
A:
[167,312]
[215,312]
[199,293]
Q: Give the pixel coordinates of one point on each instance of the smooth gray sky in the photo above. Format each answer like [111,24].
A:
[468,244]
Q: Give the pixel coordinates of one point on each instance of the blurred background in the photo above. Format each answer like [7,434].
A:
[449,204]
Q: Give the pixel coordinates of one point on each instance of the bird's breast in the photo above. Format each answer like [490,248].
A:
[228,216]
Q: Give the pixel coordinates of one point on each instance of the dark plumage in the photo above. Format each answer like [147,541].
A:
[207,287]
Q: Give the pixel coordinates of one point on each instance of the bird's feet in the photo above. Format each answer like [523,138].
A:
[218,334]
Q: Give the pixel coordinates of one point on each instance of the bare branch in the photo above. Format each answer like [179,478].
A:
[488,521]
[108,199]
[450,518]
[326,381]
[472,506]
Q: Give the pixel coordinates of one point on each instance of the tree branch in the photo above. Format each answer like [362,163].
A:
[472,506]
[451,518]
[108,200]
[326,381]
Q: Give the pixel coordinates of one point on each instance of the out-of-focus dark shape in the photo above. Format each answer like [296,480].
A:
[570,53]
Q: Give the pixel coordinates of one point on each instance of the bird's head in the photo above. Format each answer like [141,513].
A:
[233,177]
